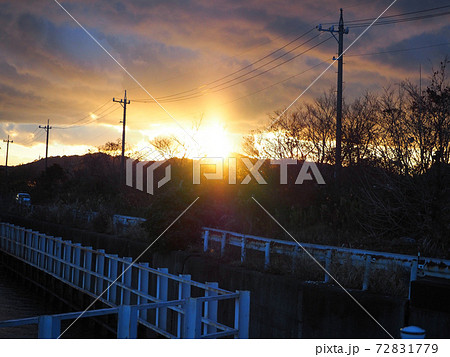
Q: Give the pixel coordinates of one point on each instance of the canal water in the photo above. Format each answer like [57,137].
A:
[18,300]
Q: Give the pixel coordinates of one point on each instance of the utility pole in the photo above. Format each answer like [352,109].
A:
[47,129]
[123,102]
[341,31]
[7,154]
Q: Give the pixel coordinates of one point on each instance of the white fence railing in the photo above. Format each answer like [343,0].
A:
[118,282]
[418,266]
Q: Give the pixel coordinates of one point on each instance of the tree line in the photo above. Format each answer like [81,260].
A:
[404,129]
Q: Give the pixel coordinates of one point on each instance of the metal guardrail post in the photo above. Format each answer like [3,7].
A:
[143,281]
[49,250]
[328,265]
[127,276]
[243,251]
[266,256]
[413,275]
[34,244]
[192,319]
[184,292]
[100,270]
[112,274]
[211,309]
[76,262]
[49,327]
[58,255]
[11,237]
[127,322]
[22,243]
[223,243]
[17,238]
[28,252]
[366,278]
[5,236]
[67,257]
[205,241]
[42,242]
[161,294]
[242,314]
[86,283]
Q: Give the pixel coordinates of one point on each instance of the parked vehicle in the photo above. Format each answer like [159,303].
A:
[23,199]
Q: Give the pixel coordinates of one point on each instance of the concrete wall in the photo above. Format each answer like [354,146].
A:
[430,307]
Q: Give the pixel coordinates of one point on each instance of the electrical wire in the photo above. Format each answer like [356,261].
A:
[398,50]
[93,120]
[216,88]
[390,22]
[390,16]
[205,89]
[247,66]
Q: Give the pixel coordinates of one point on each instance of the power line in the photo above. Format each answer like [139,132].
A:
[47,129]
[217,89]
[267,41]
[282,81]
[33,138]
[7,154]
[247,66]
[390,22]
[252,77]
[398,50]
[197,95]
[123,102]
[200,91]
[321,63]
[89,115]
[391,16]
[276,83]
[199,88]
[93,120]
[341,32]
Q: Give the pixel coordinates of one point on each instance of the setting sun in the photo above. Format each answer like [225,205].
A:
[214,140]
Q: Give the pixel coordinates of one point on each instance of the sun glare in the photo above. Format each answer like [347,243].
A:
[214,140]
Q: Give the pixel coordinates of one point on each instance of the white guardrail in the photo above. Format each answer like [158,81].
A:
[419,266]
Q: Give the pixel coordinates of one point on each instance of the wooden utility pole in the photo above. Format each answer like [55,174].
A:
[123,102]
[7,154]
[47,129]
[340,39]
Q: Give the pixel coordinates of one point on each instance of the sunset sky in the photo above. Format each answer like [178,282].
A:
[188,54]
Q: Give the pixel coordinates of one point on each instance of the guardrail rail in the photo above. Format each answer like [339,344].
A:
[418,266]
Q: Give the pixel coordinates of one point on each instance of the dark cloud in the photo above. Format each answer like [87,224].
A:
[49,67]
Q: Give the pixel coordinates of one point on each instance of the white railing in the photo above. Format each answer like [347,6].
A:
[94,272]
[418,266]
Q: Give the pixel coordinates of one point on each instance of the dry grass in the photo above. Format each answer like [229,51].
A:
[392,281]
